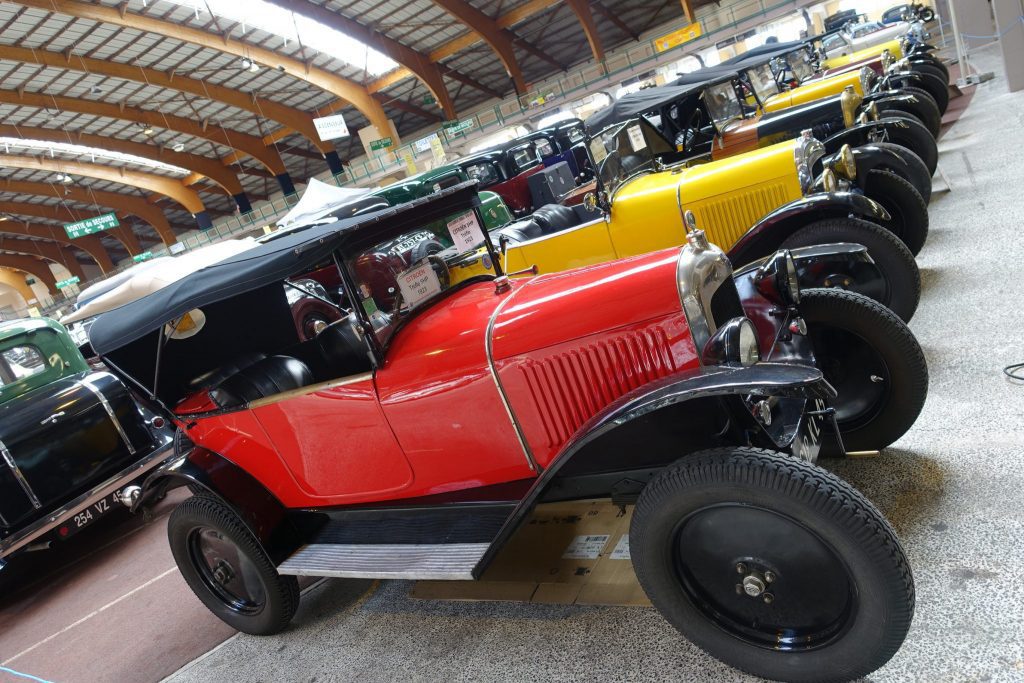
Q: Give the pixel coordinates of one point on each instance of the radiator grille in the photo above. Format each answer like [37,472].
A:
[727,218]
[570,388]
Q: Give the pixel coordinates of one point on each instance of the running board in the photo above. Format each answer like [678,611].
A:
[443,561]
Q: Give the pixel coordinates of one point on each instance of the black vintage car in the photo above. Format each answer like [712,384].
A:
[73,441]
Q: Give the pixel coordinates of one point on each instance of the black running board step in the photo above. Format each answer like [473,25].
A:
[433,525]
[443,561]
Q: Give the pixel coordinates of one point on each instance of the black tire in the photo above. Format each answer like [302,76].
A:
[907,209]
[932,83]
[201,525]
[931,61]
[840,560]
[902,288]
[917,175]
[927,109]
[856,343]
[915,137]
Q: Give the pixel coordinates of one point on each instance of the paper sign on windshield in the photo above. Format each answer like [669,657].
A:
[597,150]
[465,232]
[636,138]
[418,284]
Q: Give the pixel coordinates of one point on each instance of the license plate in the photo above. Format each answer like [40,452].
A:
[807,442]
[89,515]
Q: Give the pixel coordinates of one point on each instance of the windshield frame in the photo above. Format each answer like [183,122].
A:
[344,260]
[760,97]
[804,57]
[730,85]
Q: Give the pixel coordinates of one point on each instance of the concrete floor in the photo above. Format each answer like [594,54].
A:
[952,488]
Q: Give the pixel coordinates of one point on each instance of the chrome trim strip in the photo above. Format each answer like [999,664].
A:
[49,523]
[19,475]
[497,383]
[110,411]
[312,388]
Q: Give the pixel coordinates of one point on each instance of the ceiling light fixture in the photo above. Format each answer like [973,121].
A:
[249,65]
[147,130]
[179,147]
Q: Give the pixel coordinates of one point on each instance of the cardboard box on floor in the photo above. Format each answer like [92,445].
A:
[566,553]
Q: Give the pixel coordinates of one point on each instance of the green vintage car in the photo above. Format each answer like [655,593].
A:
[495,212]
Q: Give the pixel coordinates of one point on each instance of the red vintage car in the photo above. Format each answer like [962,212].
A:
[410,439]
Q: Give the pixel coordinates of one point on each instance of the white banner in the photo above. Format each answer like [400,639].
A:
[331,127]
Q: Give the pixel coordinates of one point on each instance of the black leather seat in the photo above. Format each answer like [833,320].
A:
[266,377]
[342,350]
[520,231]
[554,218]
[221,373]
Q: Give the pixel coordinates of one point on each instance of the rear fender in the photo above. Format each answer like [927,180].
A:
[893,99]
[594,462]
[263,514]
[772,230]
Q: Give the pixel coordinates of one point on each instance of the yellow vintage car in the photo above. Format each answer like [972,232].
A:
[750,205]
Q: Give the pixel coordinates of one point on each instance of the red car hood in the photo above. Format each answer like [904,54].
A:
[560,307]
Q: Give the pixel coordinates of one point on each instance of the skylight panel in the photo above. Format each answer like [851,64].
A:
[295,28]
[15,145]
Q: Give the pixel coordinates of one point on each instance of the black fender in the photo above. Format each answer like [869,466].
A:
[899,101]
[901,79]
[870,157]
[864,133]
[263,514]
[921,48]
[844,265]
[592,463]
[772,230]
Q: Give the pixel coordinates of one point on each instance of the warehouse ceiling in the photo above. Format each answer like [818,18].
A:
[225,102]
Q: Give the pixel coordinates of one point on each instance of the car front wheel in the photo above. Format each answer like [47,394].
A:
[228,570]
[916,173]
[907,209]
[900,288]
[874,362]
[772,565]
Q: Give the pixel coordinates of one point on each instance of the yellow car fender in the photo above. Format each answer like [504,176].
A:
[815,90]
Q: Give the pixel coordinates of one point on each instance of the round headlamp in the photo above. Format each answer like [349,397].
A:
[844,163]
[868,77]
[828,180]
[777,279]
[849,100]
[734,343]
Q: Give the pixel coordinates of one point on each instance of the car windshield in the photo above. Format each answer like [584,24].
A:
[624,150]
[485,172]
[722,104]
[523,158]
[799,63]
[763,80]
[398,275]
[833,42]
[865,29]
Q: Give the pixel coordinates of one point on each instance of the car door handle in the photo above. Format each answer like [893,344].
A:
[52,419]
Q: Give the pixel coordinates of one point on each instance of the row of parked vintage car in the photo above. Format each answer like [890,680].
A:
[678,305]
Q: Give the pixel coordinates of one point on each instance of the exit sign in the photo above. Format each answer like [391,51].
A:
[92,225]
[383,143]
[144,256]
[73,280]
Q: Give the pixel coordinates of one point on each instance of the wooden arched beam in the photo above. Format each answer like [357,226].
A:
[586,18]
[293,119]
[203,166]
[47,250]
[32,266]
[492,34]
[122,204]
[90,244]
[169,187]
[250,144]
[419,64]
[347,90]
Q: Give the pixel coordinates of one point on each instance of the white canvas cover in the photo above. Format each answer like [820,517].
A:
[151,276]
[318,200]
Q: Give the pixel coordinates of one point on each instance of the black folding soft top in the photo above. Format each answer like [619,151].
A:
[651,99]
[265,264]
[766,52]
